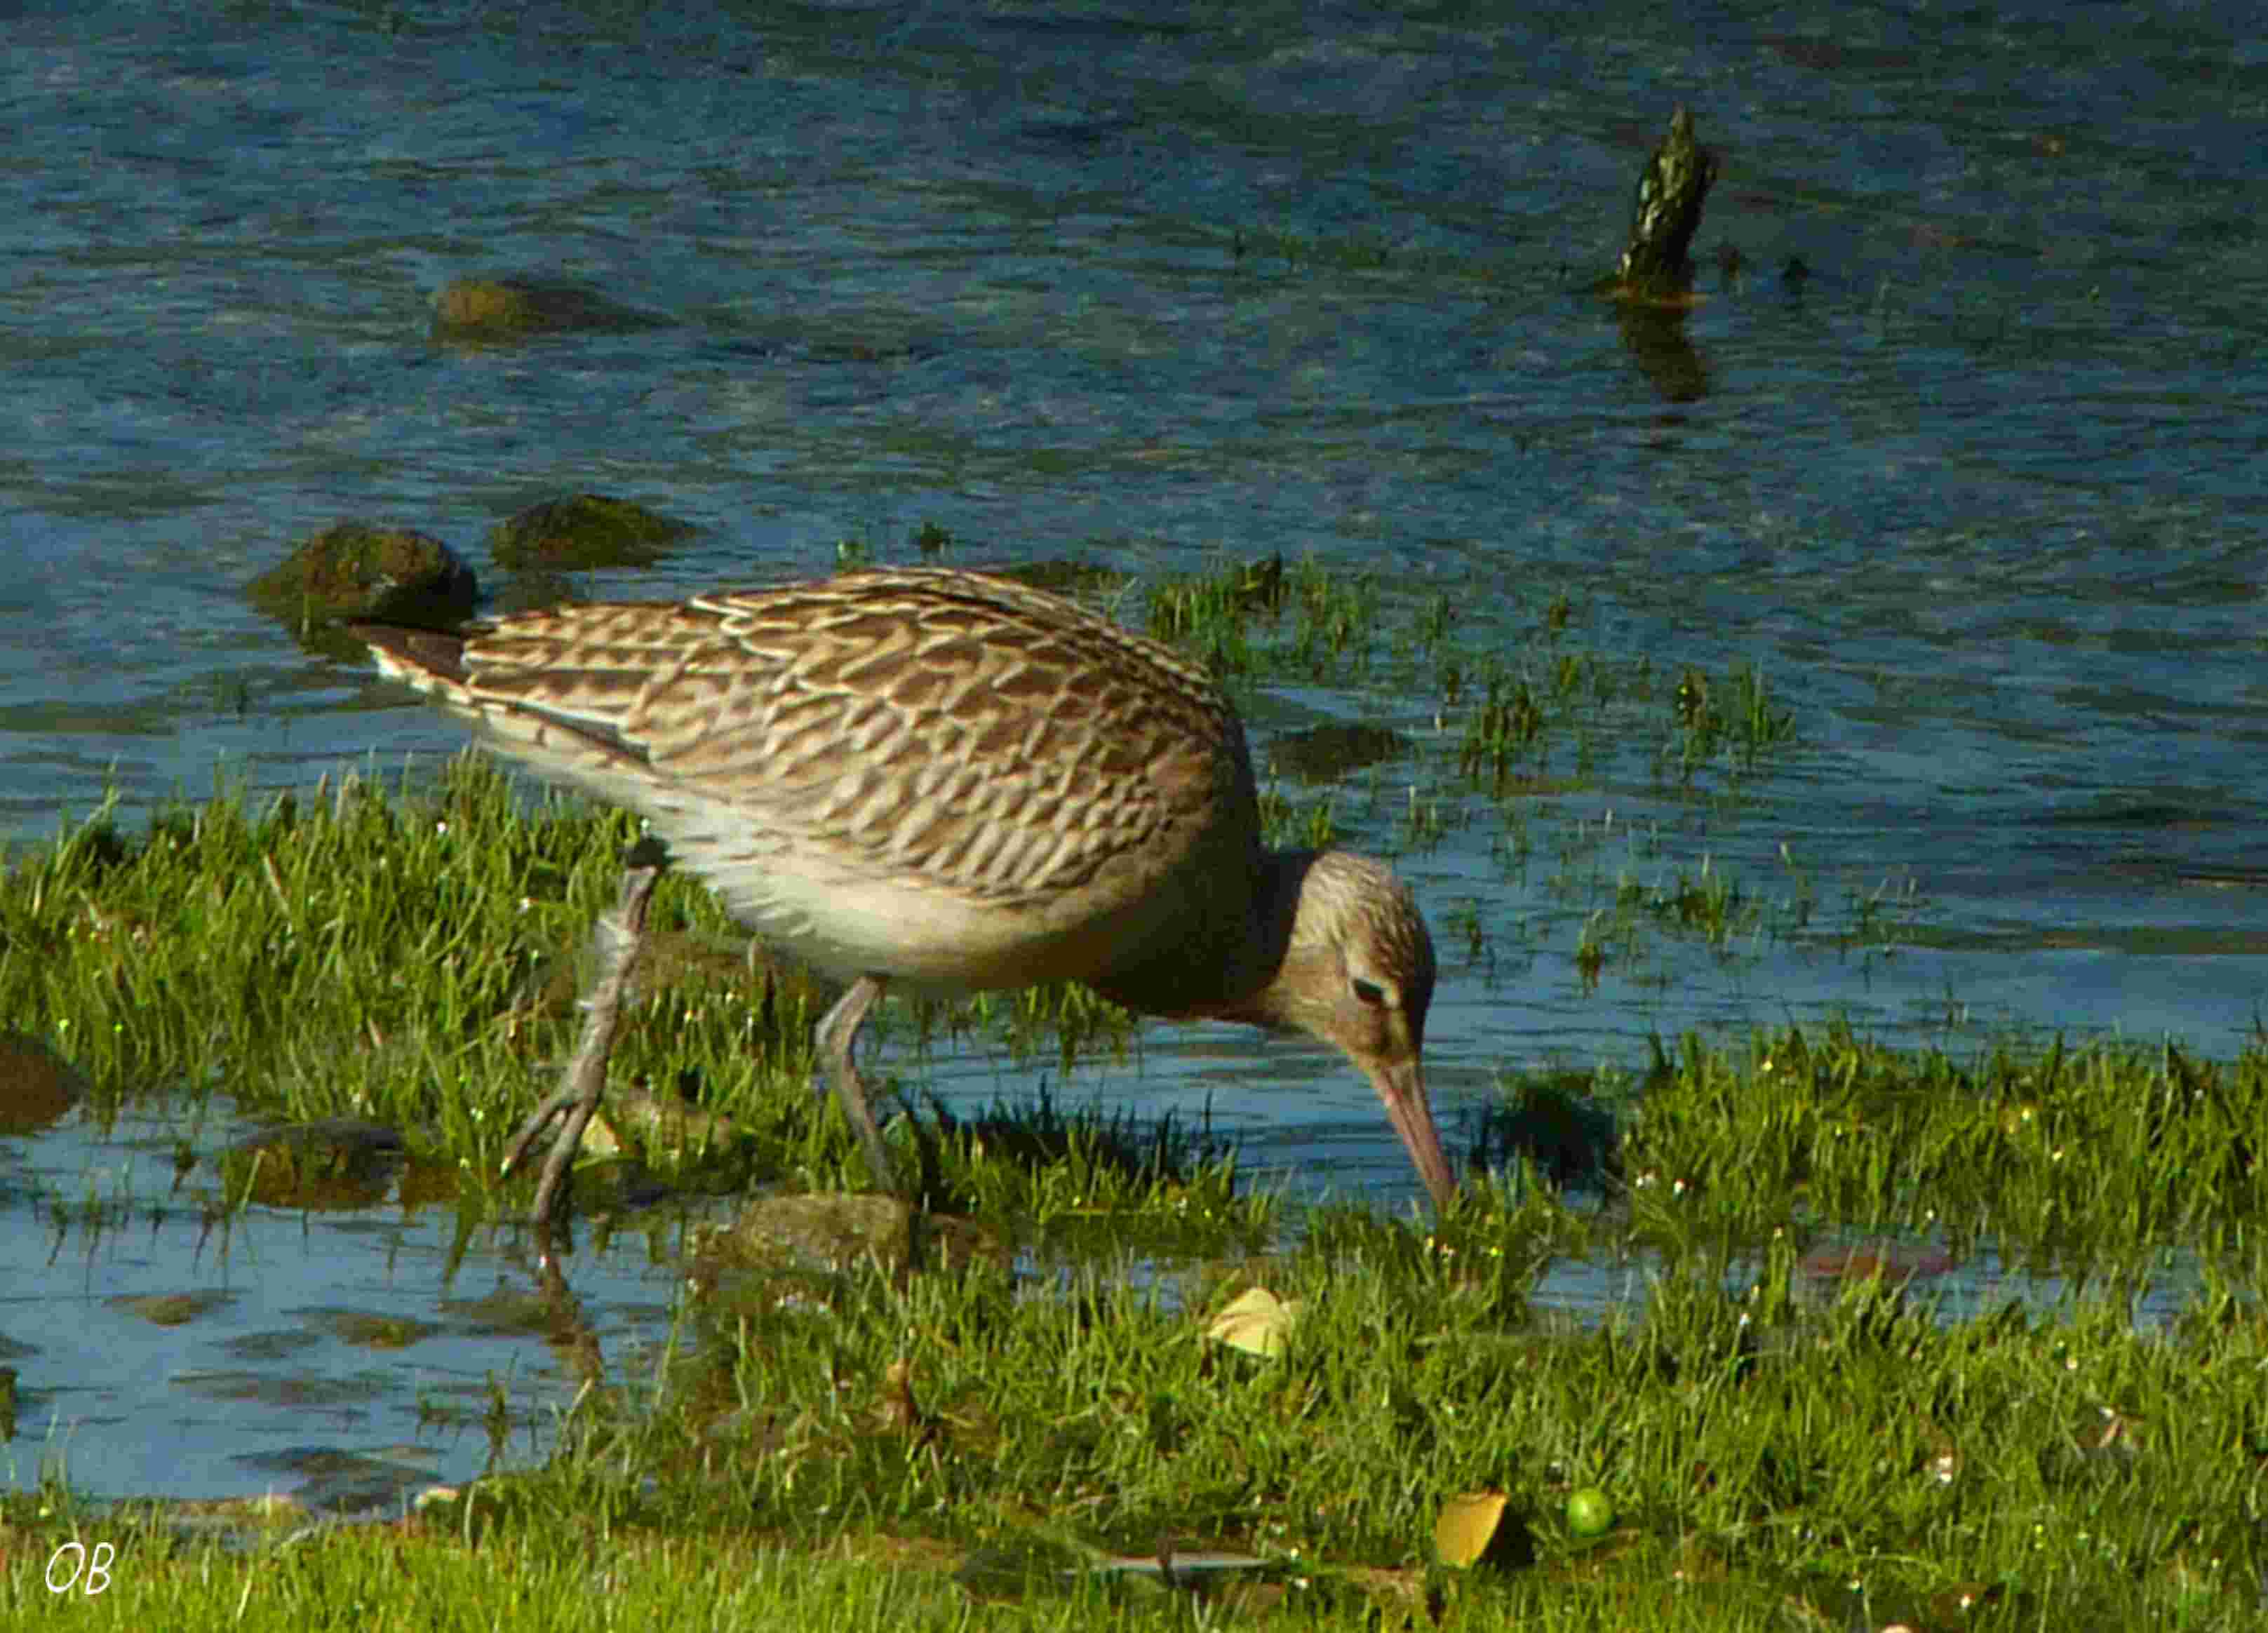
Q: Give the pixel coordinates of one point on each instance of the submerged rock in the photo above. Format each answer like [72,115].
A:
[1338,749]
[519,308]
[585,531]
[330,1165]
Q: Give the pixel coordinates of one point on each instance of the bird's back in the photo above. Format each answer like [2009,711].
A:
[944,776]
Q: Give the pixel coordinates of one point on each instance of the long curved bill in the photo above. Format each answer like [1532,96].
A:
[1401,1085]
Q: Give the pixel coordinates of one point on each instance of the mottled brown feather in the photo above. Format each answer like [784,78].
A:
[954,780]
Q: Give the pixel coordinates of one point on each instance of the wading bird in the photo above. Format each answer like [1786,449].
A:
[952,783]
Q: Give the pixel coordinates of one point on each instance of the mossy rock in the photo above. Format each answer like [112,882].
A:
[585,531]
[831,1233]
[352,572]
[520,308]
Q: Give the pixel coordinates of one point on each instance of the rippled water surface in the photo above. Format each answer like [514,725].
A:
[1981,496]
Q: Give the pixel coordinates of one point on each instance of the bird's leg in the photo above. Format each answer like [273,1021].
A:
[836,1035]
[616,941]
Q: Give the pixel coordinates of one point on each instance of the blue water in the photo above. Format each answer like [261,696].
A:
[1983,497]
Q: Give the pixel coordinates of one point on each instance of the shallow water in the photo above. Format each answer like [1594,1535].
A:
[1982,496]
[349,1358]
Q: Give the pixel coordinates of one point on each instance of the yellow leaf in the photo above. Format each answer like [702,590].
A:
[1467,1527]
[1256,1322]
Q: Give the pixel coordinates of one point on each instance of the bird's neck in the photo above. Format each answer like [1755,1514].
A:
[1231,957]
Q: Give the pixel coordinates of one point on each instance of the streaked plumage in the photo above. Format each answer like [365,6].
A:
[955,782]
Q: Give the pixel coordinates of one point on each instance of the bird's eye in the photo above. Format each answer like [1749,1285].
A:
[1369,993]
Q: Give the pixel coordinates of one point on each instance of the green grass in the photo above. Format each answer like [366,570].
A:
[1797,1420]
[2085,1161]
[873,1452]
[1786,1425]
